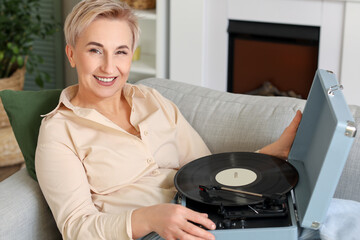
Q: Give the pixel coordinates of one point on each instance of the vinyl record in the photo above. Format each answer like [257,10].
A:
[245,171]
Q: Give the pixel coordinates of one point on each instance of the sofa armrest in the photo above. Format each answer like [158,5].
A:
[348,186]
[23,210]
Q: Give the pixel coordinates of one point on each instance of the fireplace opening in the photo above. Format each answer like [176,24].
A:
[272,59]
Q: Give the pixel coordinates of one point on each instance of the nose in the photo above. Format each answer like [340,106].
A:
[107,65]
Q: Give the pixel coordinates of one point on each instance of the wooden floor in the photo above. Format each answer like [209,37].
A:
[6,172]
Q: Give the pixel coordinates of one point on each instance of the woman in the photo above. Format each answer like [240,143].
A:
[107,154]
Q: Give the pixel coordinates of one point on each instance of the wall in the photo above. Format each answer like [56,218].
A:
[186,40]
[70,73]
[199,40]
[350,68]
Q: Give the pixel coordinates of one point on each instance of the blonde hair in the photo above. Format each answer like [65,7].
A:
[86,11]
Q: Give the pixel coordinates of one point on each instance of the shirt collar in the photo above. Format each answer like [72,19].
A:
[130,91]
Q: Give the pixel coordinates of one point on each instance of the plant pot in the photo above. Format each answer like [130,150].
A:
[141,4]
[14,82]
[10,153]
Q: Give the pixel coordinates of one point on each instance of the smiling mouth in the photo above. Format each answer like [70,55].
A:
[105,79]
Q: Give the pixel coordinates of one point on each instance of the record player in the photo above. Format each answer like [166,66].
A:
[256,196]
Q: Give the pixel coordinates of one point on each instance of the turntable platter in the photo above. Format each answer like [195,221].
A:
[245,171]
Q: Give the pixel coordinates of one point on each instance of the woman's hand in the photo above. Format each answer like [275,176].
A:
[171,221]
[282,146]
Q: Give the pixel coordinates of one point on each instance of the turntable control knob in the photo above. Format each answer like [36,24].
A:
[227,223]
[220,225]
[276,207]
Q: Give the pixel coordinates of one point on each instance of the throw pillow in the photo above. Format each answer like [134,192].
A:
[24,109]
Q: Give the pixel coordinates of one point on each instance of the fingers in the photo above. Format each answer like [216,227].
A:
[201,219]
[296,120]
[196,231]
[172,221]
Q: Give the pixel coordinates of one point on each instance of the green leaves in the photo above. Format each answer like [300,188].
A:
[20,61]
[13,48]
[20,25]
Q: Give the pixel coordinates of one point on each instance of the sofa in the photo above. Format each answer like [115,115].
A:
[227,122]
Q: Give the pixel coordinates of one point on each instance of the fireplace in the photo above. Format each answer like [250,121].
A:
[280,57]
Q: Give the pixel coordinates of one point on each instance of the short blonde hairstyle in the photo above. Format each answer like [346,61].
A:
[86,11]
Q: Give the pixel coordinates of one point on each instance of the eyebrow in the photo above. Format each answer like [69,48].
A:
[100,45]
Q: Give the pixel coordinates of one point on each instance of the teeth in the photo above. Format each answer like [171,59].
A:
[105,79]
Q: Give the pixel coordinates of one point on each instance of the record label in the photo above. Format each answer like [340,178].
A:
[235,177]
[243,171]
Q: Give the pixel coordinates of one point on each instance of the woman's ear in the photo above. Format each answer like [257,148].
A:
[70,54]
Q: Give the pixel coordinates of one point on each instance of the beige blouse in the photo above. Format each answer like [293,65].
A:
[93,174]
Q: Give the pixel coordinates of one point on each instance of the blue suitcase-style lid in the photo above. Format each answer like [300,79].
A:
[320,148]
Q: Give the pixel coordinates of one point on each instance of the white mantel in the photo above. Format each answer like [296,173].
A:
[199,39]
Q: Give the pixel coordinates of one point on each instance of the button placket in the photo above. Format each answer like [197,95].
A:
[149,160]
[155,172]
[143,131]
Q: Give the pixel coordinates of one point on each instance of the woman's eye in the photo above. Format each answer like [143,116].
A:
[93,50]
[121,52]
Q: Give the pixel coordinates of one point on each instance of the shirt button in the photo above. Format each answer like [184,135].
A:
[155,172]
[146,133]
[149,160]
[133,109]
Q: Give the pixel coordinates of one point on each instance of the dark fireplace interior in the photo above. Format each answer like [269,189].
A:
[272,59]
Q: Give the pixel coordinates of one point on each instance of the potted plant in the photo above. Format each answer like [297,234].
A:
[20,25]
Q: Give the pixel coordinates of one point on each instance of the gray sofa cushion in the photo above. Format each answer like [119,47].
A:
[24,212]
[230,122]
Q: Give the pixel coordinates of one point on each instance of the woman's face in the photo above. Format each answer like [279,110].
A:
[102,57]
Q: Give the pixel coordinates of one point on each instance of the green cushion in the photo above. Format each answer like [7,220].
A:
[24,109]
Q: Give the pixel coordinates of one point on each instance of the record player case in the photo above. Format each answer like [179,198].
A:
[319,153]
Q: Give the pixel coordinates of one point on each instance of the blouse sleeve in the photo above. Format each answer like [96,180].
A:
[63,181]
